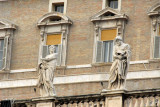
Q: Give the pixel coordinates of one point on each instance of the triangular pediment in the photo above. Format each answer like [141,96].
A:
[108,13]
[4,24]
[154,10]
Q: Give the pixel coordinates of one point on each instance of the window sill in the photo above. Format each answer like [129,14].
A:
[60,67]
[154,60]
[102,64]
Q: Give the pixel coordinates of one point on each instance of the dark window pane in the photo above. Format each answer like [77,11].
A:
[1,44]
[1,64]
[59,8]
[1,55]
[113,4]
[108,51]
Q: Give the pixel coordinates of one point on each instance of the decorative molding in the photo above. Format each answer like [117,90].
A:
[79,66]
[18,83]
[85,78]
[74,66]
[23,70]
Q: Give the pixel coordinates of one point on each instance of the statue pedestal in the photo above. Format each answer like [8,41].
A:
[113,98]
[44,101]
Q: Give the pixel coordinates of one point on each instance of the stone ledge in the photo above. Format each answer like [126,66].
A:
[44,98]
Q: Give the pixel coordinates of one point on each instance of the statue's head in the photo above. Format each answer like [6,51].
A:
[118,40]
[52,49]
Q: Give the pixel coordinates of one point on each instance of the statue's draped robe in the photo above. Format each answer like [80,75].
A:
[46,76]
[119,67]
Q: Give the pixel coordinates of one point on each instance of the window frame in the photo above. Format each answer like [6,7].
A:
[51,2]
[6,32]
[55,5]
[58,27]
[105,4]
[155,22]
[99,39]
[2,52]
[103,22]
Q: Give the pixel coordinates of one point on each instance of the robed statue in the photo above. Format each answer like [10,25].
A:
[46,73]
[119,68]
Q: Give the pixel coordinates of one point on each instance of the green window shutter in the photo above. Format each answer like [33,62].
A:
[5,49]
[45,51]
[99,52]
[59,58]
[157,47]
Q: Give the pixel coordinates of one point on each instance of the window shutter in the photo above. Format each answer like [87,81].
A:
[5,53]
[157,47]
[99,51]
[111,51]
[44,51]
[59,55]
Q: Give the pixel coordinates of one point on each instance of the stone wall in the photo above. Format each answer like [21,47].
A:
[25,15]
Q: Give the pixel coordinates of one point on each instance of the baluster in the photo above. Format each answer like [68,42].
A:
[75,103]
[131,102]
[136,102]
[65,104]
[98,103]
[70,104]
[142,102]
[103,103]
[148,102]
[91,104]
[86,103]
[158,103]
[153,102]
[82,104]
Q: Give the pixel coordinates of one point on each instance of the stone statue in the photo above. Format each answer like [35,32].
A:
[119,68]
[46,73]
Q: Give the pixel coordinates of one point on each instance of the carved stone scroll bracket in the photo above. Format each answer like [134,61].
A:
[154,24]
[63,33]
[119,27]
[42,33]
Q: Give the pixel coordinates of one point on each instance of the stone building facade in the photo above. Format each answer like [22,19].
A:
[83,31]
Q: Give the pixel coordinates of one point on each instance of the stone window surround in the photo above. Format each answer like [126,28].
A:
[57,27]
[155,21]
[58,1]
[104,4]
[7,31]
[100,22]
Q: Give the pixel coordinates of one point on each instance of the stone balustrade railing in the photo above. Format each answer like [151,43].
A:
[116,98]
[150,98]
[83,101]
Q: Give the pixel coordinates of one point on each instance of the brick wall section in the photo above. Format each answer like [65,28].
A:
[25,15]
[18,93]
[138,28]
[80,41]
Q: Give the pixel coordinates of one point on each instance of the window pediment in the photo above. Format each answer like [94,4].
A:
[53,18]
[4,24]
[108,14]
[154,10]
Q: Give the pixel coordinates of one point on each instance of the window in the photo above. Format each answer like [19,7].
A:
[6,36]
[1,52]
[105,46]
[153,13]
[55,40]
[113,4]
[58,7]
[157,43]
[107,27]
[54,33]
